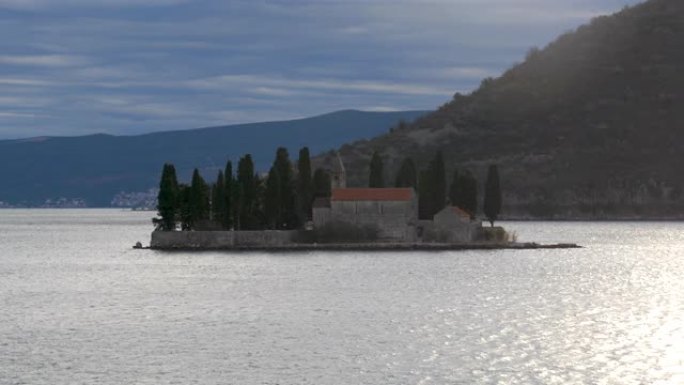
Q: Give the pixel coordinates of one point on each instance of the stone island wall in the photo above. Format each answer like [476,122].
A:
[219,239]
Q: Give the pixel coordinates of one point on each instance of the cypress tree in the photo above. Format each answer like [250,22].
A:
[218,194]
[376,179]
[228,196]
[272,199]
[432,187]
[321,183]
[258,215]
[305,190]
[287,212]
[199,199]
[424,203]
[167,199]
[473,201]
[464,181]
[438,183]
[469,194]
[407,175]
[456,190]
[492,198]
[184,211]
[246,193]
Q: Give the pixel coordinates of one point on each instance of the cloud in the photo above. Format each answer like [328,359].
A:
[381,108]
[4,114]
[270,91]
[268,82]
[130,66]
[26,82]
[13,101]
[43,4]
[468,73]
[42,60]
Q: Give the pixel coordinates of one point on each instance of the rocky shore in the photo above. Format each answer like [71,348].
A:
[380,247]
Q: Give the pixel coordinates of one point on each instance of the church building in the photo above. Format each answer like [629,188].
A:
[394,211]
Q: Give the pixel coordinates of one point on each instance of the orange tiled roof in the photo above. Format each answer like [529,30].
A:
[459,211]
[372,194]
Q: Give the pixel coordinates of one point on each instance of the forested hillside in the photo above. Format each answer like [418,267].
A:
[589,126]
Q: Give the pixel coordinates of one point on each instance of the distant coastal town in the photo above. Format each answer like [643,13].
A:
[52,203]
[142,200]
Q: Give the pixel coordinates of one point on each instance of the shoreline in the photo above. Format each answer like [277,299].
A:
[522,218]
[379,247]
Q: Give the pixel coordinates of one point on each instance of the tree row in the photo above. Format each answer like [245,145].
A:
[242,200]
[283,200]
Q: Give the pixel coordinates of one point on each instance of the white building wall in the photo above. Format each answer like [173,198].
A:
[395,220]
[457,229]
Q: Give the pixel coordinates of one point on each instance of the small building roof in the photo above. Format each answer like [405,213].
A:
[372,194]
[457,211]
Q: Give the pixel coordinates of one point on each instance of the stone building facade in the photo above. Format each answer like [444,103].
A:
[393,211]
[453,225]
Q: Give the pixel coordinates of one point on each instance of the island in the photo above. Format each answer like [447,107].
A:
[293,209]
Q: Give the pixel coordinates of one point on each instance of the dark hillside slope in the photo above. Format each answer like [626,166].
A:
[590,126]
[97,167]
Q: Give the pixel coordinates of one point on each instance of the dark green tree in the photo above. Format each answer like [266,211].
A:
[492,198]
[438,183]
[469,203]
[456,190]
[167,199]
[246,193]
[407,175]
[259,216]
[284,189]
[376,178]
[432,188]
[228,196]
[184,210]
[199,199]
[424,204]
[218,199]
[272,199]
[321,183]
[305,190]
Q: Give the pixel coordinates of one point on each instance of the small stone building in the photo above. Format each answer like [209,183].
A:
[455,225]
[394,211]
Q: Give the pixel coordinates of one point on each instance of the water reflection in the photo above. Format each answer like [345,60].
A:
[80,306]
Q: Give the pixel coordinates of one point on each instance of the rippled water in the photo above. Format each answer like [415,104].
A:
[78,306]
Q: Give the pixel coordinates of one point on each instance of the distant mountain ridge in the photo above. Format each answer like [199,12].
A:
[592,126]
[97,167]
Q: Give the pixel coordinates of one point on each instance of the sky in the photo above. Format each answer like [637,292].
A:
[125,67]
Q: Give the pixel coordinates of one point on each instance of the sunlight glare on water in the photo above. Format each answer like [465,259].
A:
[80,306]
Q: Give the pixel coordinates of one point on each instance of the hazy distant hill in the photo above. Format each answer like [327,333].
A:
[590,126]
[97,167]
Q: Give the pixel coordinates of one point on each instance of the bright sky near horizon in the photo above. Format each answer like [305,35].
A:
[76,67]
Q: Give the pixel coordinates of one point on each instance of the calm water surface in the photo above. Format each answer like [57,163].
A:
[78,306]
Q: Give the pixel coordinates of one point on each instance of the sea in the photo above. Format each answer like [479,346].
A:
[78,305]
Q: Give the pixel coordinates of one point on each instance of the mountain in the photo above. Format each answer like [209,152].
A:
[95,168]
[591,126]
